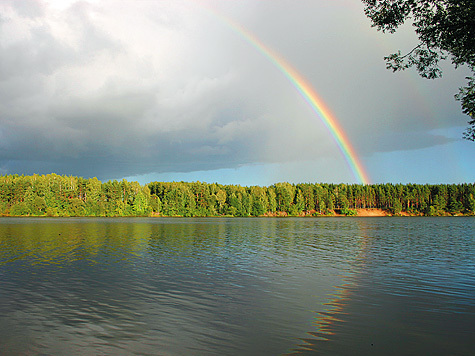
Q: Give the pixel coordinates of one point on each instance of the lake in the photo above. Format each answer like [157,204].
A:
[237,286]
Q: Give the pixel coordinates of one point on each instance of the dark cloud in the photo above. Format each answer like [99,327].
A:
[98,89]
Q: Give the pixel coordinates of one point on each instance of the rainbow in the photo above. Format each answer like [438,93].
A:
[307,92]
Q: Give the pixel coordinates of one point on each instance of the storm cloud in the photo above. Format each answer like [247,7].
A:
[122,88]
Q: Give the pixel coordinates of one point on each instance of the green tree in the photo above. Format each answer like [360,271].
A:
[221,200]
[285,193]
[3,207]
[235,205]
[246,204]
[445,29]
[299,201]
[470,205]
[19,209]
[342,202]
[319,196]
[271,197]
[308,196]
[259,200]
[155,203]
[396,206]
[330,203]
[38,206]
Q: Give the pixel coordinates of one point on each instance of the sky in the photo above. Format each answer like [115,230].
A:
[180,91]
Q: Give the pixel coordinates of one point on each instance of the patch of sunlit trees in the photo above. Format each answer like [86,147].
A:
[55,195]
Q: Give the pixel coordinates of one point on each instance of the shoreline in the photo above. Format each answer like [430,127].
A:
[360,213]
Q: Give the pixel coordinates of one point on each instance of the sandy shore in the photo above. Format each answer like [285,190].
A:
[371,212]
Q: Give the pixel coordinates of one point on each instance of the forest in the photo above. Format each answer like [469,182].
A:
[58,195]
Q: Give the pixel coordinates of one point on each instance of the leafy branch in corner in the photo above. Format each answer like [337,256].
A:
[445,29]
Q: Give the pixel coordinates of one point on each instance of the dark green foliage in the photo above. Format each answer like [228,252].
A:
[445,29]
[396,206]
[349,212]
[54,195]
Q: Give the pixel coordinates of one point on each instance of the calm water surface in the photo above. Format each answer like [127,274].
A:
[329,286]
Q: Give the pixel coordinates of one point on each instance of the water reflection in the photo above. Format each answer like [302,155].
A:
[62,241]
[409,292]
[135,286]
[233,286]
[335,312]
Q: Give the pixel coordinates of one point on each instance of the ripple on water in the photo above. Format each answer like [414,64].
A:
[236,286]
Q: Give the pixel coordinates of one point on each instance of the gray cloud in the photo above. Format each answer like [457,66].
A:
[26,8]
[113,89]
[407,141]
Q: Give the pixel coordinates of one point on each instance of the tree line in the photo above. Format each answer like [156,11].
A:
[56,195]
